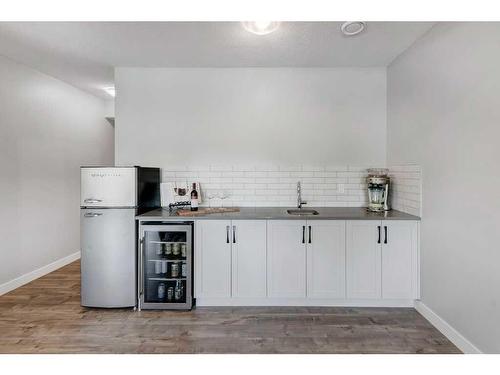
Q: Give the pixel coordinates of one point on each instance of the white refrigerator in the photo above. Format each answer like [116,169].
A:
[110,198]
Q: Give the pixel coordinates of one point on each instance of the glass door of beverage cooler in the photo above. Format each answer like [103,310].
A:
[165,265]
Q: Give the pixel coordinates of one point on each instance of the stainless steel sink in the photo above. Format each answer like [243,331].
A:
[302,211]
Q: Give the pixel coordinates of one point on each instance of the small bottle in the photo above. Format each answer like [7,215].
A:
[170,293]
[179,290]
[161,291]
[184,270]
[194,198]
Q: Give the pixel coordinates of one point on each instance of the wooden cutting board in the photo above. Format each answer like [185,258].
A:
[207,211]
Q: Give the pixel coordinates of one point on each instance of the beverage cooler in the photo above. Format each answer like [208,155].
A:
[165,266]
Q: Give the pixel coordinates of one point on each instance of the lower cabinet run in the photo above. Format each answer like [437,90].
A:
[306,262]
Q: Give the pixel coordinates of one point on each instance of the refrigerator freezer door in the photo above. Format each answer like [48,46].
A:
[108,187]
[108,257]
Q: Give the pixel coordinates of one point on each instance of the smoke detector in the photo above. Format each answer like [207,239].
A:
[352,28]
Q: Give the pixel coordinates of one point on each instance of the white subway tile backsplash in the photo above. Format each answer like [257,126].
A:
[406,188]
[255,174]
[275,185]
[302,174]
[325,174]
[336,168]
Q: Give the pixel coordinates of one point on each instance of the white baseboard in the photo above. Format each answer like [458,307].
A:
[446,329]
[26,278]
[204,301]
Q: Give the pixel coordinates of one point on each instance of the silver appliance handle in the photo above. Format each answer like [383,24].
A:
[92,200]
[92,214]
[141,268]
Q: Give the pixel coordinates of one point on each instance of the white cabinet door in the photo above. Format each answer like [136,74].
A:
[286,258]
[249,258]
[399,259]
[326,259]
[363,259]
[213,258]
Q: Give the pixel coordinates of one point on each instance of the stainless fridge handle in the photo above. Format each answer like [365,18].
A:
[141,268]
[92,214]
[92,200]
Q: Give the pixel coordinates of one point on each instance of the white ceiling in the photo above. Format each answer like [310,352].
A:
[85,53]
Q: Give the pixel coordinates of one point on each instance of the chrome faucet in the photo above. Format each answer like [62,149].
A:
[300,202]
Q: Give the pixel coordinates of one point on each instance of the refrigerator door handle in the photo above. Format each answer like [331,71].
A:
[92,200]
[92,214]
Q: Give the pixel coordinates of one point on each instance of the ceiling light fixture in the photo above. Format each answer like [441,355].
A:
[261,27]
[352,28]
[110,90]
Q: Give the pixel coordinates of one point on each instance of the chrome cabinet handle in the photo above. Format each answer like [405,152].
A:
[92,214]
[378,234]
[234,233]
[385,232]
[92,200]
[227,233]
[310,230]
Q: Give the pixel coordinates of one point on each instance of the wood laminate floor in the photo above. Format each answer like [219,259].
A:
[45,316]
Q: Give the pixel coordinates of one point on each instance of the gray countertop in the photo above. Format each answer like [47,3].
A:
[279,213]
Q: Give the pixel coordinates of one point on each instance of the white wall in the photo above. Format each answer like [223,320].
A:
[232,116]
[444,114]
[47,130]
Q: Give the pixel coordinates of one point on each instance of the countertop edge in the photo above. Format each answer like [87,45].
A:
[356,214]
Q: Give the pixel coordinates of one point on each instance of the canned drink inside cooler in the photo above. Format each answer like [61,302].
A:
[158,267]
[168,249]
[174,270]
[176,250]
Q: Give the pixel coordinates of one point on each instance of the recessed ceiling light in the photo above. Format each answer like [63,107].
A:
[261,27]
[110,90]
[352,28]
